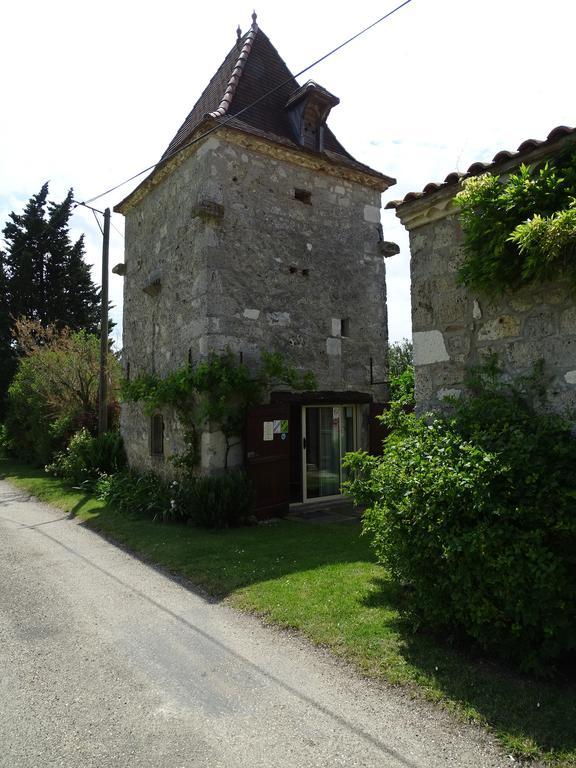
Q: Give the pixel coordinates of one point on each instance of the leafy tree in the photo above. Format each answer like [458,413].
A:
[43,275]
[55,390]
[401,371]
[400,355]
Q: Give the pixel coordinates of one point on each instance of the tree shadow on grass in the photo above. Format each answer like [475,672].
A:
[224,561]
[530,714]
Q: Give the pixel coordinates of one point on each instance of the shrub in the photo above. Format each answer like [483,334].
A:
[477,513]
[134,493]
[87,457]
[220,501]
[55,390]
[5,446]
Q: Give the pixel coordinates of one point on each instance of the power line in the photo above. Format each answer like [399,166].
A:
[230,118]
[117,230]
[98,222]
[95,211]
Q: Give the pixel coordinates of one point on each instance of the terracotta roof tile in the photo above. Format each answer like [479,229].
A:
[527,146]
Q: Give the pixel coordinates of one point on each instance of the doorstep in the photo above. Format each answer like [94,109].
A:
[330,511]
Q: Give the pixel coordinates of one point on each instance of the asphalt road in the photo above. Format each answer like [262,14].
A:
[104,661]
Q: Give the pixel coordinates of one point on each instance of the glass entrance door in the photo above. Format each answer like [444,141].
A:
[328,433]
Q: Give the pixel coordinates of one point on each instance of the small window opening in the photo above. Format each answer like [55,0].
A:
[303,195]
[293,269]
[345,326]
[157,435]
[306,272]
[128,371]
[189,355]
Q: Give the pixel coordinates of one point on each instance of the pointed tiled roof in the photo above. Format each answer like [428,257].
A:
[251,69]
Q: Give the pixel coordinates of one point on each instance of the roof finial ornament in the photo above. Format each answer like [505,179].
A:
[254,17]
[238,33]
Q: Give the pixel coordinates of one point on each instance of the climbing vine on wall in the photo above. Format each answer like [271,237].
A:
[519,229]
[218,390]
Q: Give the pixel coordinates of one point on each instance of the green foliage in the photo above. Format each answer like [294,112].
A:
[520,230]
[43,275]
[477,513]
[400,357]
[218,390]
[136,494]
[221,501]
[402,387]
[4,442]
[401,372]
[87,458]
[548,243]
[55,393]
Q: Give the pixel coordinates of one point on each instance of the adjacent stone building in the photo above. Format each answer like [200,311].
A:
[259,231]
[453,328]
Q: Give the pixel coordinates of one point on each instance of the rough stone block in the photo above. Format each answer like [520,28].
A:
[278,318]
[540,324]
[444,393]
[334,347]
[429,347]
[568,321]
[372,214]
[502,327]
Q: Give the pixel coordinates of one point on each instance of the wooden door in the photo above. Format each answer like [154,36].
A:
[268,458]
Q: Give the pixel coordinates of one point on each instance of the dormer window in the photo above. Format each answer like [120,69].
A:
[308,109]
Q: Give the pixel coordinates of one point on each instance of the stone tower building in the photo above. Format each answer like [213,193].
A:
[259,231]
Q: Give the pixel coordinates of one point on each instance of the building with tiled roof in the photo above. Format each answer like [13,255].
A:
[259,231]
[453,328]
[254,93]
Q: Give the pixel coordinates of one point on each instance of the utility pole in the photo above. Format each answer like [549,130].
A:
[103,389]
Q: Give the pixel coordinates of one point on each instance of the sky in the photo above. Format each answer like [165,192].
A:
[92,94]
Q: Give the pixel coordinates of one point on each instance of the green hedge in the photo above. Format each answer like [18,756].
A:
[477,512]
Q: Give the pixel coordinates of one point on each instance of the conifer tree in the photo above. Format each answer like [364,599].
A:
[43,275]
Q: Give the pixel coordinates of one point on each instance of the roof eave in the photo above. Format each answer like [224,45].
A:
[374,179]
[167,165]
[528,152]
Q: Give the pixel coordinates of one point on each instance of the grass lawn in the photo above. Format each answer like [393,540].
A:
[322,581]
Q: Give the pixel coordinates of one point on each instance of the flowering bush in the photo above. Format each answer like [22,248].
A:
[88,457]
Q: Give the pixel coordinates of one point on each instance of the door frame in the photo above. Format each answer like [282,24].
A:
[304,448]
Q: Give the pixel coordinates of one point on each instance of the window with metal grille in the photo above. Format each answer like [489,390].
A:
[157,435]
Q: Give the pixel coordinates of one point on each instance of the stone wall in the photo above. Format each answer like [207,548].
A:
[223,253]
[454,329]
